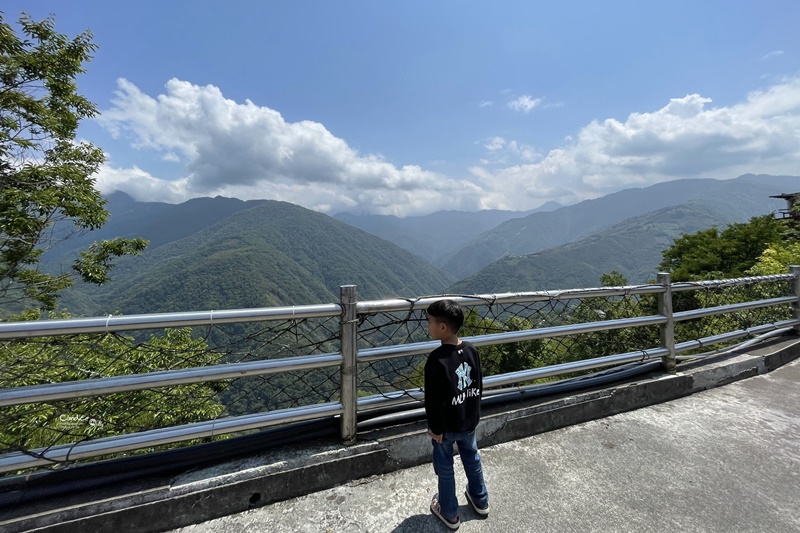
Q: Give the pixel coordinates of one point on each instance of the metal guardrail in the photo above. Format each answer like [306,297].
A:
[74,326]
[349,310]
[101,386]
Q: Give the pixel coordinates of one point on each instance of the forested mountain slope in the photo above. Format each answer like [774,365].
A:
[633,247]
[540,231]
[273,253]
[158,222]
[431,236]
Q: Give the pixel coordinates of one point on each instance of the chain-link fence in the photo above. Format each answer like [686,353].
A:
[747,305]
[489,316]
[74,418]
[63,392]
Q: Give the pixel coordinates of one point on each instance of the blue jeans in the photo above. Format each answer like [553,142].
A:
[443,466]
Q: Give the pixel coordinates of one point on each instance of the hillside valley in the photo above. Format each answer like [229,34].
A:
[435,235]
[633,247]
[221,253]
[746,196]
[266,253]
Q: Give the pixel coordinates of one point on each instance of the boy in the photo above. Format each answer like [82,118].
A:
[453,385]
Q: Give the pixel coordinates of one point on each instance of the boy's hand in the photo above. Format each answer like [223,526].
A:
[434,436]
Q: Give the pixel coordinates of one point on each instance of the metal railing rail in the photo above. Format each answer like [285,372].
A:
[150,380]
[74,326]
[156,437]
[401,304]
[405,350]
[377,401]
[731,282]
[731,308]
[166,378]
[349,309]
[703,342]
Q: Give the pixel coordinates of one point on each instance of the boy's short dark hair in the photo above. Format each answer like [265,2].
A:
[449,312]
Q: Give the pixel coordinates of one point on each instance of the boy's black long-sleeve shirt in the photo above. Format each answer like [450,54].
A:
[453,387]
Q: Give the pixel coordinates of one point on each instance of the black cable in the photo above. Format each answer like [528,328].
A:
[18,490]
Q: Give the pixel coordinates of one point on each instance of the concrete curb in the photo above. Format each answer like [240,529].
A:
[237,486]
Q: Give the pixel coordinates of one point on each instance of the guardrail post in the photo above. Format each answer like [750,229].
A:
[667,330]
[348,335]
[795,270]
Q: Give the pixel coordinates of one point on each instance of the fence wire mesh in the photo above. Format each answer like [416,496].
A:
[489,317]
[36,361]
[726,294]
[42,425]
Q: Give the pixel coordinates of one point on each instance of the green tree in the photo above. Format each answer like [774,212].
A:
[763,245]
[712,253]
[90,356]
[791,232]
[47,195]
[613,279]
[776,259]
[598,309]
[48,191]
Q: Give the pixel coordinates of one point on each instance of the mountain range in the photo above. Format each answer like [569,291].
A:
[739,198]
[221,253]
[632,247]
[437,234]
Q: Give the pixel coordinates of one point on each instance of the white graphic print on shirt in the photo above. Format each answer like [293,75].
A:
[464,381]
[463,376]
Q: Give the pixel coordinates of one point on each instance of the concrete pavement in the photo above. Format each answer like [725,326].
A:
[650,453]
[722,460]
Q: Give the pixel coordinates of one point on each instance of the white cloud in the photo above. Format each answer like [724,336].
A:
[774,53]
[250,151]
[494,144]
[486,103]
[687,138]
[524,103]
[501,151]
[140,184]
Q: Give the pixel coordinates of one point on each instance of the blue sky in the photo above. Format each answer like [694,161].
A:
[409,107]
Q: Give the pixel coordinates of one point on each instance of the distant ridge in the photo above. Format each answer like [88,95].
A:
[217,253]
[540,231]
[633,246]
[158,222]
[264,253]
[434,235]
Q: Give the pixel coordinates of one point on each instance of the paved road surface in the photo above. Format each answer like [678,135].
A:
[724,460]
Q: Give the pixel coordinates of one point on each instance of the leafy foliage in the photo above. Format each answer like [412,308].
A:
[728,253]
[779,256]
[81,357]
[776,258]
[46,176]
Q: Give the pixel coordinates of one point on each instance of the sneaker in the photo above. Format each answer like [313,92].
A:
[483,511]
[437,510]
